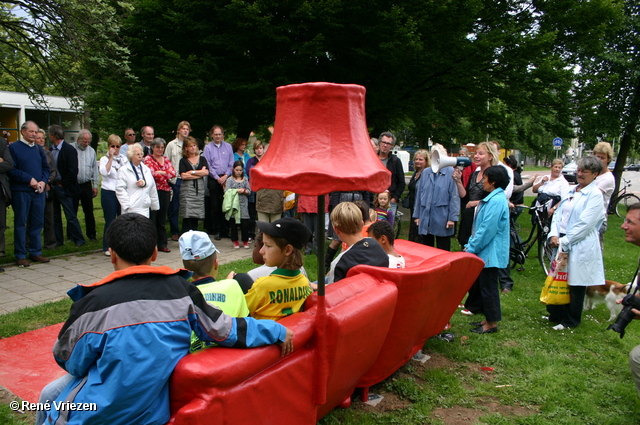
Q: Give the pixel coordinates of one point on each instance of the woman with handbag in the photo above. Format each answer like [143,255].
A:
[575,228]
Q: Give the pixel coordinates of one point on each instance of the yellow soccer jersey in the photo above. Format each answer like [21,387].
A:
[278,295]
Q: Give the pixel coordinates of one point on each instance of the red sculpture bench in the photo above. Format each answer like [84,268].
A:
[376,319]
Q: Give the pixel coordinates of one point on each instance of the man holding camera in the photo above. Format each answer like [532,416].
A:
[631,227]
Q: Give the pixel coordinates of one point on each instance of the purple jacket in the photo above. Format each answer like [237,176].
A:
[219,158]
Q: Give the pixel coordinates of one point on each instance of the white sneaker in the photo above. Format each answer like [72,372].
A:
[558,327]
[466,312]
[107,254]
[545,317]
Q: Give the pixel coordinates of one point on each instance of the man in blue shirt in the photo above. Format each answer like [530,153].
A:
[219,156]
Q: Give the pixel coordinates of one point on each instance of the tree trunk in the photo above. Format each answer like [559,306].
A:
[628,133]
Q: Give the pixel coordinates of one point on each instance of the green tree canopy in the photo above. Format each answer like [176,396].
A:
[440,65]
[61,46]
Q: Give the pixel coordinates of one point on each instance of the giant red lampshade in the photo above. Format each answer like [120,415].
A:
[320,143]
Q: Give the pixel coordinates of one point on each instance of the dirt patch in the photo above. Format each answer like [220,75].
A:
[390,402]
[466,416]
[7,397]
[456,415]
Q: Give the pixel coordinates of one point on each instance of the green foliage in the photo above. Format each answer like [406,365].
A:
[61,47]
[431,65]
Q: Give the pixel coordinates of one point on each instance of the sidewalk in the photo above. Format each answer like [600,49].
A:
[40,283]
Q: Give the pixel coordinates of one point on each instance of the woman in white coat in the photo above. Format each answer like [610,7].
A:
[135,187]
[575,228]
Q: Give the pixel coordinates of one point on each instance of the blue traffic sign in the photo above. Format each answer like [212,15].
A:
[557,141]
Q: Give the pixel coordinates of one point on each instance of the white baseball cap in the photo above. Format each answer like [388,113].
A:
[195,245]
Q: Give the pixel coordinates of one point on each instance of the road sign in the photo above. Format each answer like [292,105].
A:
[557,148]
[557,141]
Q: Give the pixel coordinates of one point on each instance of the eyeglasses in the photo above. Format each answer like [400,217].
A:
[131,134]
[386,143]
[217,134]
[114,146]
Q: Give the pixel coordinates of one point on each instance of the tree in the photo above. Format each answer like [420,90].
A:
[436,65]
[61,46]
[604,45]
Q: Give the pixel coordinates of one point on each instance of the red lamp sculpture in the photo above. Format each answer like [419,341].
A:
[320,144]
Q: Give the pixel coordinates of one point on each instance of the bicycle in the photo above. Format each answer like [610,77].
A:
[622,199]
[519,249]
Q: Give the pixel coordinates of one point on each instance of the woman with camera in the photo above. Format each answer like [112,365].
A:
[575,229]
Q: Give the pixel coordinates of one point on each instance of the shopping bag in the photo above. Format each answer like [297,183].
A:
[556,289]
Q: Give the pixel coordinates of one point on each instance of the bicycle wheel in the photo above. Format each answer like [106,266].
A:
[545,252]
[623,204]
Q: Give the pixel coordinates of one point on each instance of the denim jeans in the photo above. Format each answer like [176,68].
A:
[110,209]
[62,198]
[51,392]
[27,207]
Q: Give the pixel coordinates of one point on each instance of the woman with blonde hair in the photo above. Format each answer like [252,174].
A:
[109,166]
[486,155]
[605,181]
[420,163]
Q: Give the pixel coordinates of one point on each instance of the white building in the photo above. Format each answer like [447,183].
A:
[16,108]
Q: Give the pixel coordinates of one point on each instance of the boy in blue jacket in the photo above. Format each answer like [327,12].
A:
[127,332]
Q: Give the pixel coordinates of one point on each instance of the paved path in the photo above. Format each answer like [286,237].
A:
[40,283]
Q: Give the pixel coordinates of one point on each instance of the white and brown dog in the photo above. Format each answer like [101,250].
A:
[610,292]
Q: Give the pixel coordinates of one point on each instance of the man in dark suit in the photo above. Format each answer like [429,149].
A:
[6,165]
[65,188]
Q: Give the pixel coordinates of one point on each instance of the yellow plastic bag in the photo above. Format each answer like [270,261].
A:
[556,289]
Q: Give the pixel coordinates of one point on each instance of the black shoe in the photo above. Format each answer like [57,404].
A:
[480,330]
[217,236]
[475,324]
[93,239]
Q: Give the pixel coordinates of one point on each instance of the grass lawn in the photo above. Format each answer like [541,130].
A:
[537,376]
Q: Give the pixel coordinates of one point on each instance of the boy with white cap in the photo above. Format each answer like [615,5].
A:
[200,256]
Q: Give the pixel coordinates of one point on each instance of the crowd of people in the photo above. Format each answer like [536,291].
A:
[151,183]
